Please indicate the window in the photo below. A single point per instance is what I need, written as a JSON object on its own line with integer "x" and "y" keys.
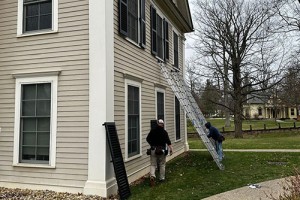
{"x": 37, "y": 15}
{"x": 35, "y": 121}
{"x": 292, "y": 111}
{"x": 159, "y": 35}
{"x": 259, "y": 111}
{"x": 133, "y": 118}
{"x": 132, "y": 22}
{"x": 160, "y": 105}
{"x": 177, "y": 118}
{"x": 175, "y": 48}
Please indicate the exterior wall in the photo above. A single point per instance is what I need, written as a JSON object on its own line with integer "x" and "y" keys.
{"x": 65, "y": 51}
{"x": 137, "y": 64}
{"x": 268, "y": 112}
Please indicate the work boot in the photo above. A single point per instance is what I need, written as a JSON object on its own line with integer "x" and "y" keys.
{"x": 152, "y": 181}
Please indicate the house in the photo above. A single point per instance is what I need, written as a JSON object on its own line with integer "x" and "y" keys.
{"x": 267, "y": 107}
{"x": 68, "y": 66}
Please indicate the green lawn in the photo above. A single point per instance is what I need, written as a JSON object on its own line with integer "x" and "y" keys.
{"x": 255, "y": 124}
{"x": 194, "y": 175}
{"x": 284, "y": 140}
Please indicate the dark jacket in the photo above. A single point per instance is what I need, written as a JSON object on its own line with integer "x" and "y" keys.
{"x": 213, "y": 132}
{"x": 158, "y": 137}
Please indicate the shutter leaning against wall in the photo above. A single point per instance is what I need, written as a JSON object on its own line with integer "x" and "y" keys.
{"x": 123, "y": 17}
{"x": 166, "y": 40}
{"x": 153, "y": 31}
{"x": 142, "y": 24}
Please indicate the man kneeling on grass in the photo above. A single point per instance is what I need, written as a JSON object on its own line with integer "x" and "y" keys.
{"x": 158, "y": 139}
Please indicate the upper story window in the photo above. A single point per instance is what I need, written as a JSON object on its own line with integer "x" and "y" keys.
{"x": 132, "y": 22}
{"x": 159, "y": 35}
{"x": 37, "y": 16}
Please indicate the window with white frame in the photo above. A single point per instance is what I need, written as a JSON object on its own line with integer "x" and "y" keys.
{"x": 177, "y": 118}
{"x": 37, "y": 15}
{"x": 159, "y": 35}
{"x": 160, "y": 104}
{"x": 35, "y": 120}
{"x": 132, "y": 20}
{"x": 292, "y": 111}
{"x": 133, "y": 104}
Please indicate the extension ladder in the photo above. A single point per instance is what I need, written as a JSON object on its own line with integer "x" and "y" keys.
{"x": 187, "y": 101}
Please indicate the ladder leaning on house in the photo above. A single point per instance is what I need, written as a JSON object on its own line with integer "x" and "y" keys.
{"x": 187, "y": 101}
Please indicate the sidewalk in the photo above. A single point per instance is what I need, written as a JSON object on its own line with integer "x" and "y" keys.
{"x": 261, "y": 192}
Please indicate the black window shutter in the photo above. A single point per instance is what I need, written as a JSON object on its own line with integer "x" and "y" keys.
{"x": 166, "y": 40}
{"x": 123, "y": 16}
{"x": 142, "y": 24}
{"x": 116, "y": 155}
{"x": 175, "y": 45}
{"x": 153, "y": 31}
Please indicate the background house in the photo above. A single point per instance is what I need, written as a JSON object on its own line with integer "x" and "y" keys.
{"x": 68, "y": 66}
{"x": 267, "y": 107}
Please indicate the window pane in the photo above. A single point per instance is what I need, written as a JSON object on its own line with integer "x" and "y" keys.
{"x": 29, "y": 138}
{"x": 32, "y": 10}
{"x": 28, "y": 108}
{"x": 43, "y": 138}
{"x": 46, "y": 22}
{"x": 43, "y": 107}
{"x": 28, "y": 92}
{"x": 31, "y": 24}
{"x": 29, "y": 124}
{"x": 42, "y": 153}
{"x": 28, "y": 153}
{"x": 43, "y": 124}
{"x": 44, "y": 91}
{"x": 46, "y": 8}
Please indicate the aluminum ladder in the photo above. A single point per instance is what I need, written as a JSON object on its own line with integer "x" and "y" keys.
{"x": 187, "y": 101}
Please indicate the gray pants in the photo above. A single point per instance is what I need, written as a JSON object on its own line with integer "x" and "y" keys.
{"x": 161, "y": 161}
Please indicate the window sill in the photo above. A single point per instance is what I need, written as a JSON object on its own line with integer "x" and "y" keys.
{"x": 133, "y": 157}
{"x": 33, "y": 33}
{"x": 33, "y": 165}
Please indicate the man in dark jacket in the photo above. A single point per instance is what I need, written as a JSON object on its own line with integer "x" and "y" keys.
{"x": 217, "y": 136}
{"x": 159, "y": 141}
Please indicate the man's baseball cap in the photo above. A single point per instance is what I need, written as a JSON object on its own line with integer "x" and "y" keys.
{"x": 160, "y": 121}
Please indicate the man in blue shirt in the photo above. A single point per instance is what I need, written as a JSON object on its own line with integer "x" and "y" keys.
{"x": 218, "y": 138}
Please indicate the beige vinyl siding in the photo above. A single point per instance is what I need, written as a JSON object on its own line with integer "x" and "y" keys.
{"x": 65, "y": 51}
{"x": 139, "y": 63}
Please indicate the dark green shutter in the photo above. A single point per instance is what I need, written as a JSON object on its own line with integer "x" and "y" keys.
{"x": 123, "y": 17}
{"x": 153, "y": 31}
{"x": 116, "y": 154}
{"x": 142, "y": 24}
{"x": 166, "y": 40}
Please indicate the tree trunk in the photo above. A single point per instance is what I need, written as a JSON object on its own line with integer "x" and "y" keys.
{"x": 226, "y": 102}
{"x": 238, "y": 116}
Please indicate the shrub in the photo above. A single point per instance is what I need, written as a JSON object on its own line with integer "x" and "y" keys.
{"x": 291, "y": 188}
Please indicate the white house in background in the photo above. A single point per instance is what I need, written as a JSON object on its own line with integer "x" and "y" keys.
{"x": 68, "y": 66}
{"x": 259, "y": 107}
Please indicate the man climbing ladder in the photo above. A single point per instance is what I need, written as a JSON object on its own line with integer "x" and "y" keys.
{"x": 187, "y": 101}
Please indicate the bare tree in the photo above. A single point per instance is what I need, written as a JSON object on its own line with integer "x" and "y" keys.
{"x": 234, "y": 39}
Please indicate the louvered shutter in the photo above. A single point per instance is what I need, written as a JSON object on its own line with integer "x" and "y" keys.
{"x": 166, "y": 40}
{"x": 153, "y": 31}
{"x": 123, "y": 17}
{"x": 142, "y": 24}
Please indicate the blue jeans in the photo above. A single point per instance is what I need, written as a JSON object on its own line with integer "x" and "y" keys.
{"x": 219, "y": 150}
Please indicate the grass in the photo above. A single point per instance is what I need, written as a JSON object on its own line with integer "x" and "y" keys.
{"x": 194, "y": 175}
{"x": 284, "y": 140}
{"x": 255, "y": 124}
